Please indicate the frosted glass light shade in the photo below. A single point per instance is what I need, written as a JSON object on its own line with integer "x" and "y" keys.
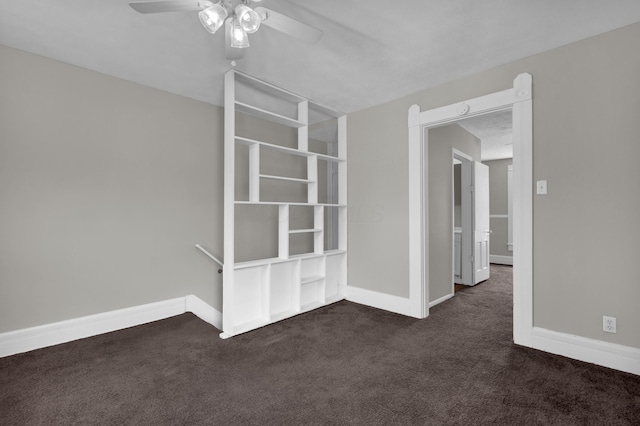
{"x": 248, "y": 18}
{"x": 213, "y": 17}
{"x": 239, "y": 38}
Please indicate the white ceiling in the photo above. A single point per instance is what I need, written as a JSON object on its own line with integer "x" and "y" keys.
{"x": 371, "y": 52}
{"x": 495, "y": 132}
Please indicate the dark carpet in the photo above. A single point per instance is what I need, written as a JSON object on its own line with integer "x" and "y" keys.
{"x": 342, "y": 364}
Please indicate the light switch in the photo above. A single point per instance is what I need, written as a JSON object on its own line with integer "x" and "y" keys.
{"x": 541, "y": 187}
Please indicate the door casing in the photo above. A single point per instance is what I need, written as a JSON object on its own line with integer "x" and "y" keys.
{"x": 519, "y": 99}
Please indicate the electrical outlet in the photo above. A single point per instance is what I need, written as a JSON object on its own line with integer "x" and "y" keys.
{"x": 609, "y": 324}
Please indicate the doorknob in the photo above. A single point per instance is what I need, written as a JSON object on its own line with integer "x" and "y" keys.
{"x": 489, "y": 231}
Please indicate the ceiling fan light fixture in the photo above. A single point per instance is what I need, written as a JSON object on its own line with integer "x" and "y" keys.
{"x": 248, "y": 18}
{"x": 213, "y": 17}
{"x": 239, "y": 37}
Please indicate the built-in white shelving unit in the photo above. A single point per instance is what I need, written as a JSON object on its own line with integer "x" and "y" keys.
{"x": 308, "y": 268}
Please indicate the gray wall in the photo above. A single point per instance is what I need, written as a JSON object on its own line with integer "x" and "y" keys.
{"x": 586, "y": 132}
{"x": 257, "y": 226}
{"x": 441, "y": 142}
{"x": 105, "y": 188}
{"x": 498, "y": 205}
{"x": 106, "y": 185}
{"x": 378, "y": 231}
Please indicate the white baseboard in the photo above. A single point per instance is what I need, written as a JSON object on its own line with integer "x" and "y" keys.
{"x": 501, "y": 260}
{"x": 440, "y": 300}
{"x": 388, "y": 302}
{"x": 611, "y": 355}
{"x": 203, "y": 310}
{"x": 42, "y": 336}
{"x": 617, "y": 357}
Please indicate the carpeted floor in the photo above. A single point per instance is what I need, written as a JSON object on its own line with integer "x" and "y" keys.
{"x": 342, "y": 364}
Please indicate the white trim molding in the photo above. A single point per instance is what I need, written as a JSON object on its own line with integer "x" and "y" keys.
{"x": 519, "y": 100}
{"x": 611, "y": 355}
{"x": 440, "y": 300}
{"x": 42, "y": 336}
{"x": 203, "y": 310}
{"x": 510, "y": 207}
{"x": 387, "y": 302}
{"x": 418, "y": 250}
{"x": 501, "y": 260}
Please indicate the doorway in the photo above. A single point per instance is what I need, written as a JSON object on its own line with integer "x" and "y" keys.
{"x": 519, "y": 99}
{"x": 462, "y": 219}
{"x": 493, "y": 244}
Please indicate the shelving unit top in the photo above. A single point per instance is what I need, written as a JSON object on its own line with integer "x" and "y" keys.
{"x": 273, "y": 90}
{"x": 269, "y": 88}
{"x": 268, "y": 115}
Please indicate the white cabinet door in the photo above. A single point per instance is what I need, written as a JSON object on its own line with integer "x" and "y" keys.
{"x": 481, "y": 231}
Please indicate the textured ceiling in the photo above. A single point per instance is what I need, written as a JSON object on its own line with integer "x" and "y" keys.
{"x": 495, "y": 132}
{"x": 371, "y": 52}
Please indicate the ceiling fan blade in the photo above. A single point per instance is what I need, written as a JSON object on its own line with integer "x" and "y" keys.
{"x": 288, "y": 25}
{"x": 169, "y": 6}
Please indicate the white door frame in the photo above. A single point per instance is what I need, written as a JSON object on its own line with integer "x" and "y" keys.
{"x": 519, "y": 99}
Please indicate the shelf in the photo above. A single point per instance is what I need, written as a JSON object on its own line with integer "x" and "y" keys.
{"x": 284, "y": 203}
{"x": 292, "y": 258}
{"x": 260, "y": 262}
{"x": 287, "y": 150}
{"x": 276, "y": 91}
{"x": 306, "y": 256}
{"x": 269, "y": 88}
{"x": 268, "y": 115}
{"x": 304, "y": 231}
{"x": 327, "y": 157}
{"x": 309, "y": 280}
{"x": 286, "y": 178}
{"x": 324, "y": 110}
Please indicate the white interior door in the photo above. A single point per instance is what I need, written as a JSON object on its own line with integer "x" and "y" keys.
{"x": 466, "y": 200}
{"x": 481, "y": 223}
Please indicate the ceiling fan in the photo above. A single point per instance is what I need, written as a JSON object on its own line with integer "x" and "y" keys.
{"x": 238, "y": 18}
